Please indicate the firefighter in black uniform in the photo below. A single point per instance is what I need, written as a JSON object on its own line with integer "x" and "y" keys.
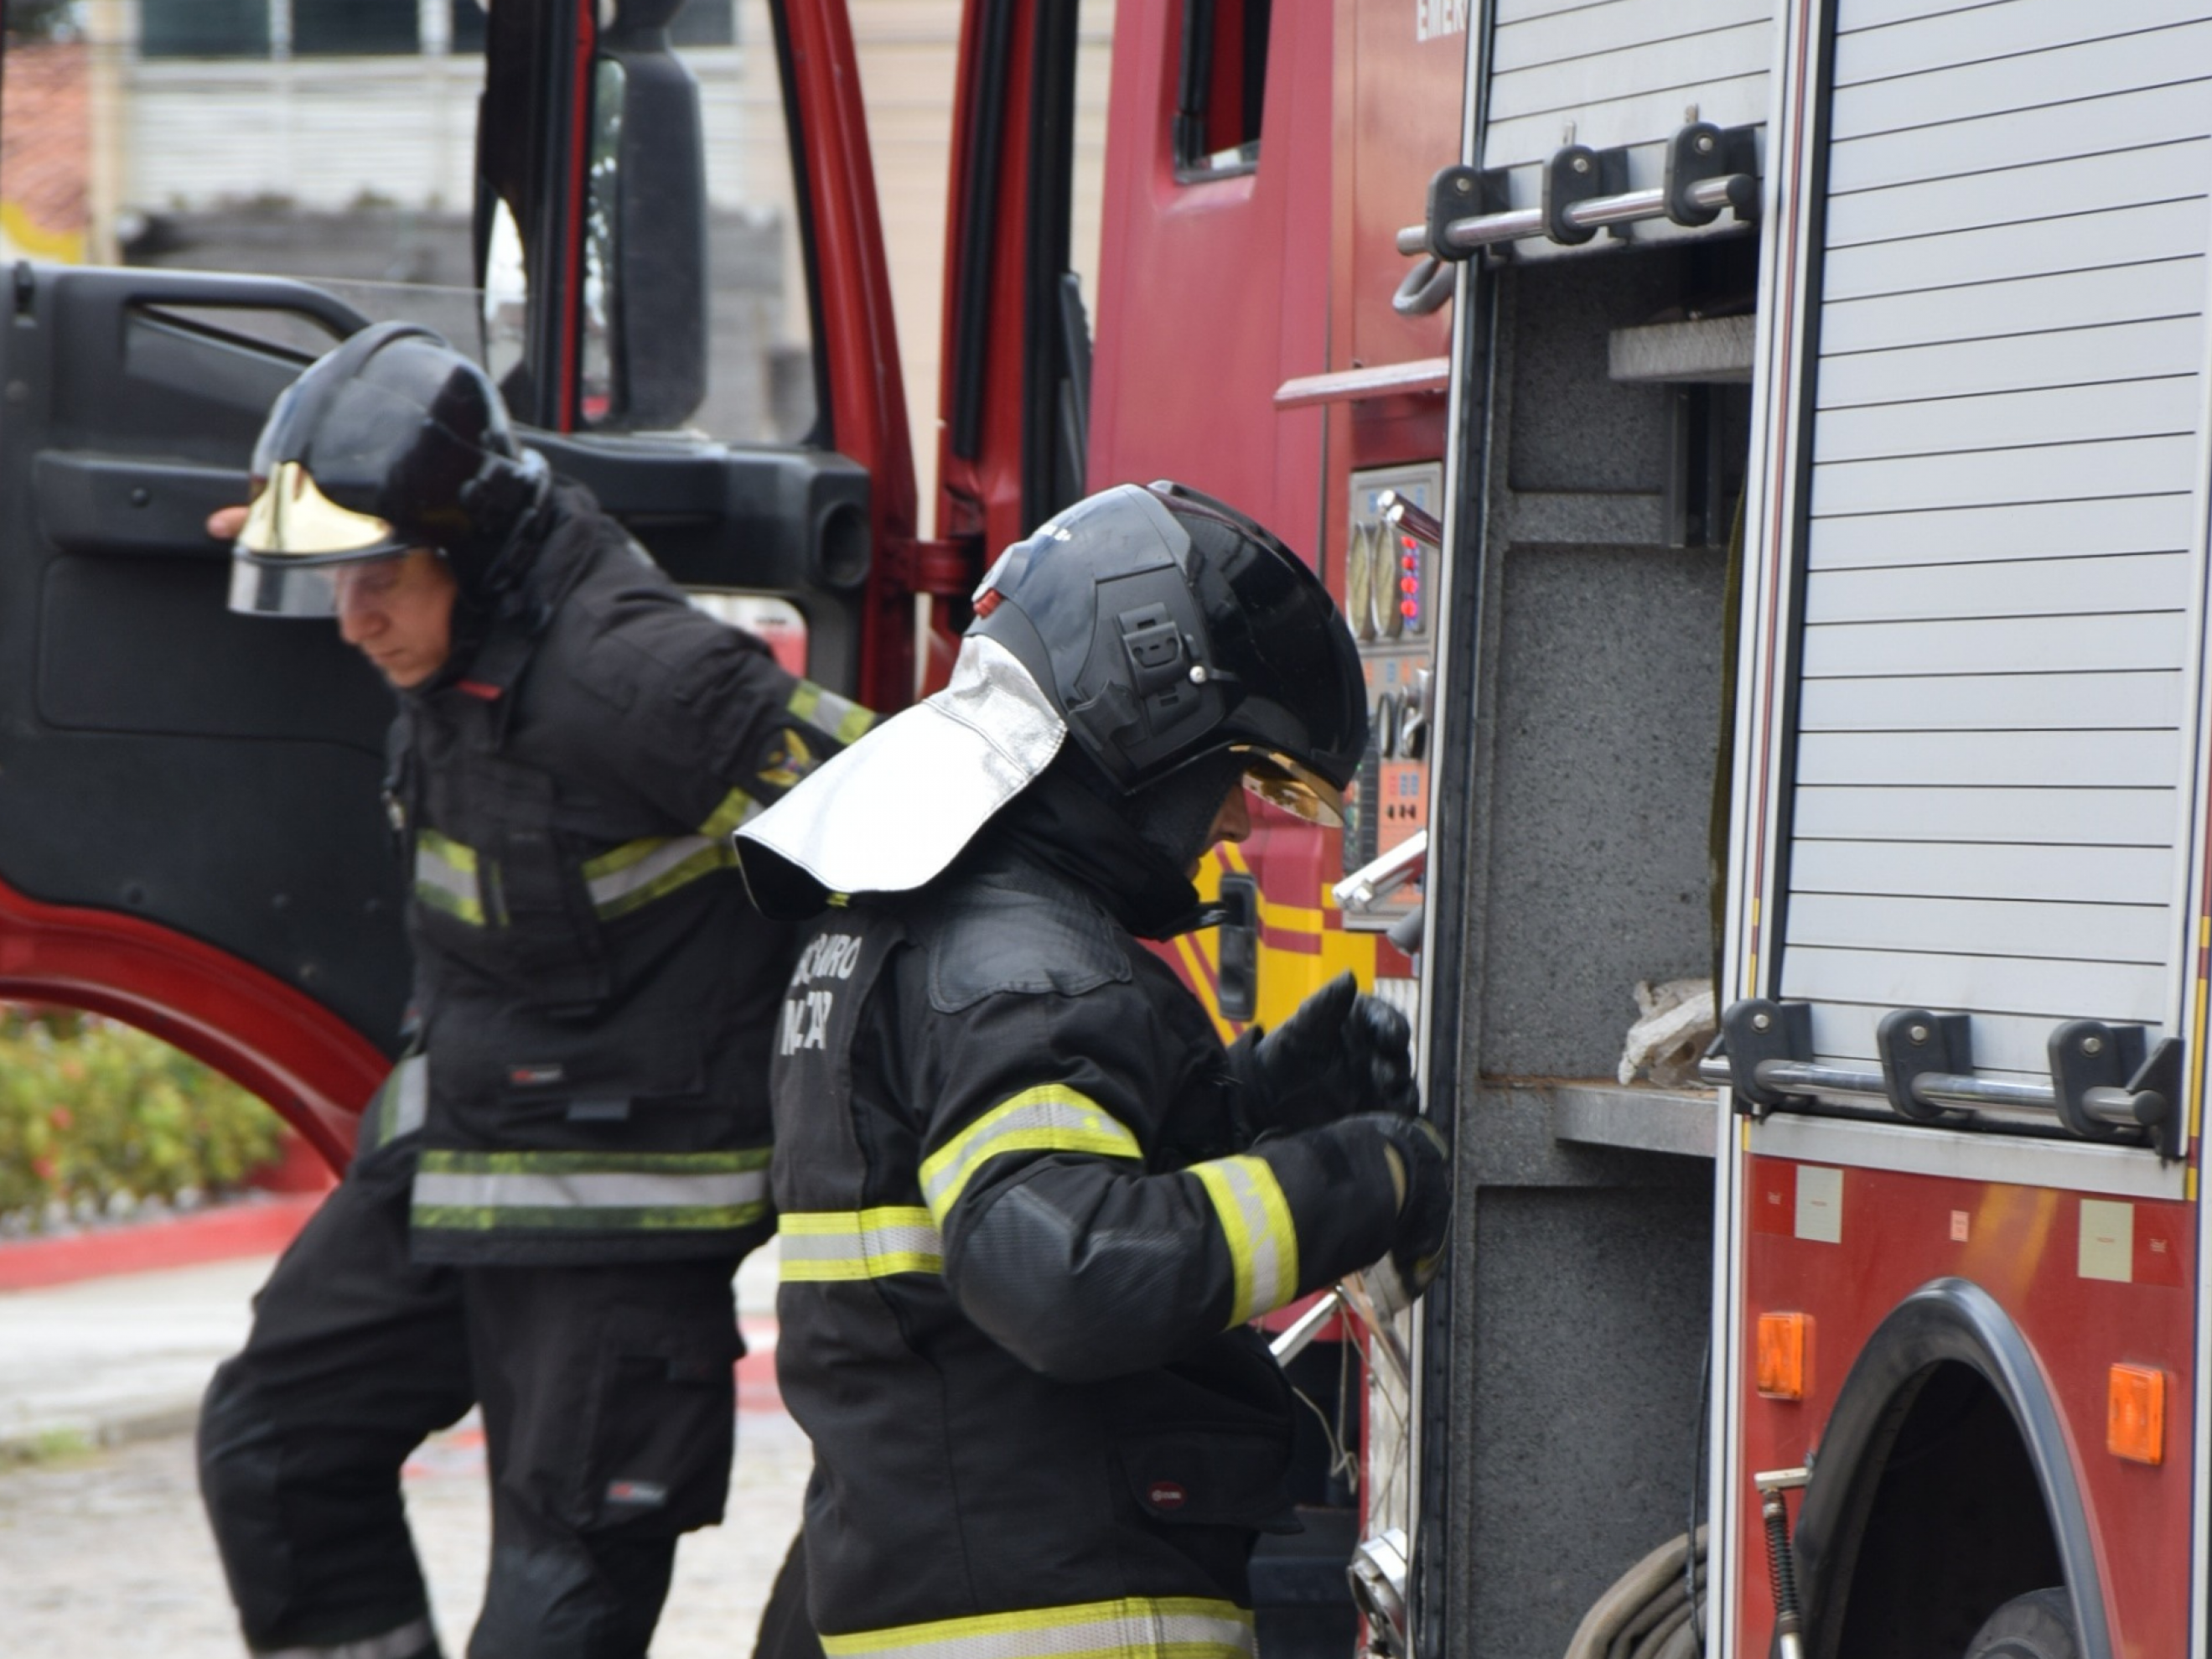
{"x": 555, "y": 1186}
{"x": 1027, "y": 1199}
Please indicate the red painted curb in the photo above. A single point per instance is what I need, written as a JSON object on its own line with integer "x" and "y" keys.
{"x": 187, "y": 1241}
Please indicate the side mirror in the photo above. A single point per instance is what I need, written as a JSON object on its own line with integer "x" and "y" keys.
{"x": 643, "y": 304}
{"x": 645, "y": 287}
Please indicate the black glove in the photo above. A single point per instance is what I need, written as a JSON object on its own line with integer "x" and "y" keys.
{"x": 1339, "y": 1053}
{"x": 1421, "y": 1155}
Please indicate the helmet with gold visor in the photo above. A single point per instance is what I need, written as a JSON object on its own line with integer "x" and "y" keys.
{"x": 392, "y": 442}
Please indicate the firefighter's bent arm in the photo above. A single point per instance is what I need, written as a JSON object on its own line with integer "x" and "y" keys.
{"x": 1066, "y": 1244}
{"x": 703, "y": 721}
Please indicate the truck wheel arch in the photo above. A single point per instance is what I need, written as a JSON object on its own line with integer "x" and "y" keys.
{"x": 1948, "y": 1345}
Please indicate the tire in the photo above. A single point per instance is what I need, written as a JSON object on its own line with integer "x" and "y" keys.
{"x": 785, "y": 1631}
{"x": 2038, "y": 1626}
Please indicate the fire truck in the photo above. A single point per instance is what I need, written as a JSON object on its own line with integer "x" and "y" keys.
{"x": 1817, "y": 606}
{"x": 1757, "y": 445}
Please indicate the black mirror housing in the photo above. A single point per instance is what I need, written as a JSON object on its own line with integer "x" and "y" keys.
{"x": 658, "y": 312}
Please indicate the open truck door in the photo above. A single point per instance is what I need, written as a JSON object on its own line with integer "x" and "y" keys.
{"x": 191, "y": 832}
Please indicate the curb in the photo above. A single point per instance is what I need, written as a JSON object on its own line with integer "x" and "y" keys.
{"x": 756, "y": 1395}
{"x": 187, "y": 1241}
{"x": 61, "y": 1440}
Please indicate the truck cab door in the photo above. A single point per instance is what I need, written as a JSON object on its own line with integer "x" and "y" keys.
{"x": 1014, "y": 396}
{"x": 191, "y": 837}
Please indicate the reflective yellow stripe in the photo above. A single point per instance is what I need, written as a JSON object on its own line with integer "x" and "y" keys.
{"x": 1053, "y": 1118}
{"x": 445, "y": 876}
{"x": 1135, "y": 1627}
{"x": 478, "y": 1191}
{"x": 1263, "y": 1243}
{"x": 824, "y": 710}
{"x": 401, "y": 1104}
{"x": 823, "y": 1245}
{"x": 737, "y": 807}
{"x": 639, "y": 872}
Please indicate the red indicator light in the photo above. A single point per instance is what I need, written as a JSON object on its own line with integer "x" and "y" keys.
{"x": 1407, "y": 584}
{"x": 1405, "y": 607}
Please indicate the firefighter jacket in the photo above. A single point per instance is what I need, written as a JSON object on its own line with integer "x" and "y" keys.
{"x": 594, "y": 994}
{"x": 1019, "y": 1246}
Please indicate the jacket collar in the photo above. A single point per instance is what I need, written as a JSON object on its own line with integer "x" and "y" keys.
{"x": 475, "y": 688}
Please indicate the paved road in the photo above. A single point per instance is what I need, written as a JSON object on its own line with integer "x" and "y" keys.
{"x": 119, "y": 1357}
{"x": 104, "y": 1551}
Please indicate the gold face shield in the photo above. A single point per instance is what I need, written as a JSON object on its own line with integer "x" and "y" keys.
{"x": 297, "y": 543}
{"x": 290, "y": 517}
{"x": 1298, "y": 790}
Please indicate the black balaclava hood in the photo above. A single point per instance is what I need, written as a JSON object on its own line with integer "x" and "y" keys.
{"x": 511, "y": 597}
{"x": 1175, "y": 817}
{"x": 1134, "y": 851}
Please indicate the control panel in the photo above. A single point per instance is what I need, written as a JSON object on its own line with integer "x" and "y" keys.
{"x": 1389, "y": 597}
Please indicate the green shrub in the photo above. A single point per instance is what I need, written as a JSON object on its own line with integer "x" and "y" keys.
{"x": 96, "y": 1117}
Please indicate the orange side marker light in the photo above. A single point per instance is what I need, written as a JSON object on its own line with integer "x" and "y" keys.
{"x": 2135, "y": 1417}
{"x": 1784, "y": 1347}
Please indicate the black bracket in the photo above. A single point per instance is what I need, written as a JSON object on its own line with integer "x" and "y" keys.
{"x": 1912, "y": 1041}
{"x": 1757, "y": 1029}
{"x": 2140, "y": 1093}
{"x": 1702, "y": 151}
{"x": 1459, "y": 193}
{"x": 1576, "y": 173}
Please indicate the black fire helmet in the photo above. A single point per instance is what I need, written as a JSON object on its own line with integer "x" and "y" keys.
{"x": 391, "y": 441}
{"x": 1167, "y": 626}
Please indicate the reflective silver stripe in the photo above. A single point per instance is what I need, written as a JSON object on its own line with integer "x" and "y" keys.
{"x": 407, "y": 1096}
{"x": 632, "y": 883}
{"x": 825, "y": 711}
{"x": 736, "y": 808}
{"x": 1135, "y": 1628}
{"x": 407, "y": 1640}
{"x": 1263, "y": 1241}
{"x": 505, "y": 1189}
{"x": 445, "y": 876}
{"x": 820, "y": 1246}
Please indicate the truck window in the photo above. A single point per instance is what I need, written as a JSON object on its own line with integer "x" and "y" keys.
{"x": 352, "y": 28}
{"x": 1219, "y": 86}
{"x": 336, "y": 141}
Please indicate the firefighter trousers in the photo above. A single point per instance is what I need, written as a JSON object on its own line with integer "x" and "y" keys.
{"x": 608, "y": 1415}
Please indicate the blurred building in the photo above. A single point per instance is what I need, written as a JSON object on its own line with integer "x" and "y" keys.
{"x": 46, "y": 152}
{"x": 335, "y": 140}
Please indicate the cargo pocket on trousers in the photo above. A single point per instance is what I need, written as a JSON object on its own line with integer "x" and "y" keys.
{"x": 663, "y": 1432}
{"x": 1204, "y": 1476}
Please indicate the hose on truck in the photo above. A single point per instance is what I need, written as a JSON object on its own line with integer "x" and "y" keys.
{"x": 1646, "y": 1614}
